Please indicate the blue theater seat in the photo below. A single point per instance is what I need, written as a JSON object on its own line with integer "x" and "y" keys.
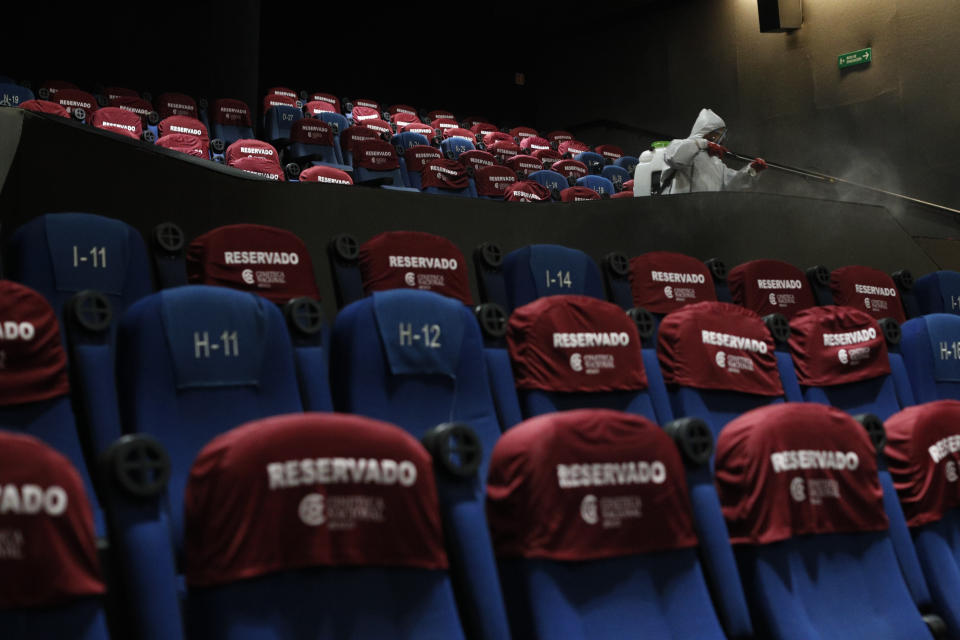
{"x": 341, "y": 556}
{"x": 550, "y": 179}
{"x": 313, "y": 143}
{"x": 542, "y": 270}
{"x": 34, "y": 388}
{"x": 577, "y": 559}
{"x": 340, "y": 124}
{"x": 403, "y": 141}
{"x": 415, "y": 157}
{"x": 415, "y": 358}
{"x": 230, "y": 120}
{"x": 617, "y": 175}
{"x": 453, "y": 146}
{"x": 929, "y": 346}
{"x": 13, "y": 95}
{"x": 592, "y": 160}
{"x": 600, "y": 184}
{"x": 376, "y": 161}
{"x": 811, "y": 538}
{"x": 52, "y": 585}
{"x": 938, "y": 292}
{"x": 770, "y": 286}
{"x": 59, "y": 254}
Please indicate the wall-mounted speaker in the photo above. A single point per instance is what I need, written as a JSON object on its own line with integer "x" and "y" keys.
{"x": 780, "y": 15}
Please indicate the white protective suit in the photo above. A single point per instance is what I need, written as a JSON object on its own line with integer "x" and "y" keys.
{"x": 690, "y": 168}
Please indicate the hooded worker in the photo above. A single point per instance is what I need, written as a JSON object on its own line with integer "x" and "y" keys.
{"x": 696, "y": 164}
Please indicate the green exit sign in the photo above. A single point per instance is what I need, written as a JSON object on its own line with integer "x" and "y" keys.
{"x": 863, "y": 56}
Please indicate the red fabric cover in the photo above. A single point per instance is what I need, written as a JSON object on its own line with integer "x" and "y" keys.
{"x": 378, "y": 125}
{"x": 471, "y": 121}
{"x": 575, "y": 344}
{"x": 548, "y": 157}
{"x": 275, "y": 100}
{"x": 519, "y": 133}
{"x": 402, "y": 119}
{"x": 419, "y": 127}
{"x": 325, "y": 174}
{"x": 534, "y": 143}
{"x": 454, "y": 132}
{"x": 405, "y": 109}
{"x": 228, "y": 111}
{"x": 442, "y": 124}
{"x": 185, "y": 143}
{"x": 525, "y": 164}
{"x": 444, "y": 174}
{"x": 570, "y": 168}
{"x": 112, "y": 93}
{"x": 183, "y": 124}
{"x": 176, "y": 104}
{"x": 117, "y": 120}
{"x": 559, "y": 136}
{"x": 54, "y": 86}
{"x": 312, "y": 131}
{"x": 50, "y": 551}
{"x": 923, "y": 454}
{"x": 286, "y": 92}
{"x": 578, "y": 194}
{"x": 622, "y": 194}
{"x": 70, "y": 99}
{"x": 277, "y": 494}
{"x": 587, "y": 484}
{"x": 497, "y": 136}
{"x": 837, "y": 345}
{"x": 483, "y": 128}
{"x": 527, "y": 191}
{"x": 328, "y": 98}
{"x": 611, "y": 151}
{"x": 493, "y": 181}
{"x": 718, "y": 345}
{"x": 420, "y": 154}
{"x": 365, "y": 102}
{"x": 354, "y": 134}
{"x": 627, "y": 186}
{"x": 795, "y": 469}
{"x": 253, "y": 257}
{"x": 44, "y": 106}
{"x": 663, "y": 281}
{"x": 263, "y": 167}
{"x": 33, "y": 365}
{"x": 770, "y": 286}
{"x": 251, "y": 148}
{"x": 135, "y": 104}
{"x": 477, "y": 159}
{"x": 572, "y": 147}
{"x": 316, "y": 107}
{"x": 440, "y": 113}
{"x": 376, "y": 155}
{"x": 869, "y": 289}
{"x": 503, "y": 150}
{"x": 414, "y": 260}
{"x": 359, "y": 114}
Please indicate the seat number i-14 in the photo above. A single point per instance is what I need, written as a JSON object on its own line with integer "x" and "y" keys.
{"x": 561, "y": 280}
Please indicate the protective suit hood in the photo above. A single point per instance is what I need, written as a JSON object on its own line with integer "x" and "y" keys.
{"x": 706, "y": 122}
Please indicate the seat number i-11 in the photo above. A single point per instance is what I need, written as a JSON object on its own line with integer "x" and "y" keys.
{"x": 97, "y": 257}
{"x": 428, "y": 335}
{"x": 203, "y": 346}
{"x": 559, "y": 279}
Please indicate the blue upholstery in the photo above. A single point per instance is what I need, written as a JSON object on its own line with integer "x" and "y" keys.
{"x": 342, "y": 124}
{"x": 277, "y": 122}
{"x": 938, "y": 292}
{"x": 544, "y": 269}
{"x": 80, "y": 620}
{"x": 13, "y": 95}
{"x": 829, "y": 586}
{"x": 938, "y": 548}
{"x": 452, "y": 147}
{"x": 402, "y": 142}
{"x": 600, "y": 184}
{"x": 627, "y": 162}
{"x": 594, "y": 161}
{"x": 60, "y": 254}
{"x": 930, "y": 354}
{"x": 617, "y": 175}
{"x": 195, "y": 385}
{"x": 366, "y": 385}
{"x": 550, "y": 179}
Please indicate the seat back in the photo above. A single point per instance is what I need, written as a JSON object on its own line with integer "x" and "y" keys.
{"x": 312, "y": 142}
{"x": 938, "y": 292}
{"x": 524, "y": 165}
{"x": 453, "y": 146}
{"x": 218, "y": 358}
{"x": 718, "y": 361}
{"x": 52, "y": 585}
{"x": 492, "y": 182}
{"x": 804, "y": 504}
{"x": 576, "y": 556}
{"x": 60, "y": 254}
{"x": 664, "y": 281}
{"x": 119, "y": 121}
{"x": 73, "y": 99}
{"x": 354, "y": 519}
{"x": 592, "y": 160}
{"x": 550, "y": 179}
{"x": 598, "y": 183}
{"x": 627, "y": 162}
{"x": 278, "y": 121}
{"x": 572, "y": 352}
{"x": 869, "y": 289}
{"x": 416, "y": 157}
{"x": 770, "y": 286}
{"x": 447, "y": 177}
{"x": 415, "y": 358}
{"x": 176, "y": 104}
{"x": 12, "y": 95}
{"x": 376, "y": 160}
{"x": 570, "y": 169}
{"x": 931, "y": 352}
{"x": 617, "y": 175}
{"x": 230, "y": 120}
{"x": 540, "y": 270}
{"x": 330, "y": 175}
{"x": 578, "y": 194}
